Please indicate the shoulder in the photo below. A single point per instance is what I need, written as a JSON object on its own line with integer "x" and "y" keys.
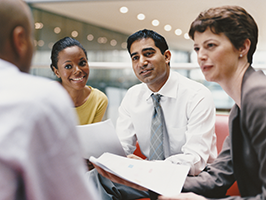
{"x": 40, "y": 102}
{"x": 97, "y": 94}
{"x": 136, "y": 89}
{"x": 190, "y": 87}
{"x": 40, "y": 93}
{"x": 135, "y": 92}
{"x": 135, "y": 95}
{"x": 254, "y": 90}
{"x": 253, "y": 106}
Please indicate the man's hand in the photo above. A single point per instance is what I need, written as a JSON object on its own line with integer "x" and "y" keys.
{"x": 117, "y": 179}
{"x": 183, "y": 196}
{"x": 133, "y": 156}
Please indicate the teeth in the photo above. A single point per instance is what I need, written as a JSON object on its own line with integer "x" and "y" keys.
{"x": 77, "y": 79}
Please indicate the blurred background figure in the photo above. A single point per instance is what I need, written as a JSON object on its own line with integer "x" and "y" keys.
{"x": 40, "y": 155}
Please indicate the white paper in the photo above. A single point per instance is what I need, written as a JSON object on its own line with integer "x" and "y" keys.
{"x": 98, "y": 138}
{"x": 161, "y": 177}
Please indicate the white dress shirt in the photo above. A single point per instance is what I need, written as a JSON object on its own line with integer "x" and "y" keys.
{"x": 39, "y": 149}
{"x": 189, "y": 114}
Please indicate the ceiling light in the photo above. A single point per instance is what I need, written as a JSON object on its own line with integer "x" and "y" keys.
{"x": 90, "y": 37}
{"x": 124, "y": 45}
{"x": 57, "y": 30}
{"x": 38, "y": 25}
{"x": 113, "y": 42}
{"x": 141, "y": 16}
{"x": 155, "y": 22}
{"x": 74, "y": 34}
{"x": 167, "y": 27}
{"x": 186, "y": 36}
{"x": 40, "y": 43}
{"x": 102, "y": 40}
{"x": 50, "y": 45}
{"x": 178, "y": 31}
{"x": 123, "y": 9}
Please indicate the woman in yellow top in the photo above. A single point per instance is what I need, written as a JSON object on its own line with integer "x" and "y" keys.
{"x": 70, "y": 65}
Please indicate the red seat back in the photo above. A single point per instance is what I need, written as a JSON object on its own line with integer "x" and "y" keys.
{"x": 221, "y": 130}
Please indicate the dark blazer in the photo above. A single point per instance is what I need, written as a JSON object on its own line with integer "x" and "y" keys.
{"x": 243, "y": 157}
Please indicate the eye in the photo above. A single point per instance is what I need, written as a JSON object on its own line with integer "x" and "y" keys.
{"x": 68, "y": 66}
{"x": 148, "y": 54}
{"x": 134, "y": 58}
{"x": 196, "y": 49}
{"x": 83, "y": 63}
{"x": 211, "y": 45}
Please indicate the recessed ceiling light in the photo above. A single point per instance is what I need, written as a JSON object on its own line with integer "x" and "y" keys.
{"x": 155, "y": 22}
{"x": 50, "y": 45}
{"x": 123, "y": 9}
{"x": 57, "y": 30}
{"x": 90, "y": 37}
{"x": 186, "y": 36}
{"x": 124, "y": 45}
{"x": 38, "y": 25}
{"x": 141, "y": 16}
{"x": 74, "y": 34}
{"x": 178, "y": 31}
{"x": 167, "y": 27}
{"x": 40, "y": 43}
{"x": 113, "y": 42}
{"x": 102, "y": 40}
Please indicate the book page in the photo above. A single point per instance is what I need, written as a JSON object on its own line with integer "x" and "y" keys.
{"x": 161, "y": 177}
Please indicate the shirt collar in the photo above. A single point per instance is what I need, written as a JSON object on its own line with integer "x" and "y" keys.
{"x": 5, "y": 64}
{"x": 169, "y": 89}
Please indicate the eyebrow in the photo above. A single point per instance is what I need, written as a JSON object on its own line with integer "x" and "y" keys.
{"x": 67, "y": 61}
{"x": 82, "y": 58}
{"x": 206, "y": 41}
{"x": 145, "y": 49}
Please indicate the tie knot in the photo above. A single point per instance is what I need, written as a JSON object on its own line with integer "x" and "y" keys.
{"x": 156, "y": 98}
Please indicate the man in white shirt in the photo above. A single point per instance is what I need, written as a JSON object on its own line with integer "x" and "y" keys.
{"x": 40, "y": 154}
{"x": 187, "y": 106}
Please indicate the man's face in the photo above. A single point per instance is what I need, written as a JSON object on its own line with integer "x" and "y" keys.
{"x": 149, "y": 64}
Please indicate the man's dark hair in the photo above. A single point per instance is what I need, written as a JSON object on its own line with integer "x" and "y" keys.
{"x": 159, "y": 40}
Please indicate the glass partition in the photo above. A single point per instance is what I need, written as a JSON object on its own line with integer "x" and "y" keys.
{"x": 110, "y": 65}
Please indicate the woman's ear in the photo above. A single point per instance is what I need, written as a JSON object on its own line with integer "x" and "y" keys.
{"x": 167, "y": 56}
{"x": 56, "y": 72}
{"x": 245, "y": 48}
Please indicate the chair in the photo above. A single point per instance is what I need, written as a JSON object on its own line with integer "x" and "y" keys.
{"x": 222, "y": 131}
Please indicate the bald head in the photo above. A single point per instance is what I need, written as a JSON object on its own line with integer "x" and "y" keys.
{"x": 16, "y": 26}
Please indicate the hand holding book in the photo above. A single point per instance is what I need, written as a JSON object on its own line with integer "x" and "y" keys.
{"x": 161, "y": 177}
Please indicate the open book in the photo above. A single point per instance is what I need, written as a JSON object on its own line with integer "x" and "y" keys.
{"x": 161, "y": 177}
{"x": 98, "y": 138}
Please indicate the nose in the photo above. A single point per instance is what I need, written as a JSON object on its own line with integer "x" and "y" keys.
{"x": 76, "y": 69}
{"x": 201, "y": 55}
{"x": 143, "y": 61}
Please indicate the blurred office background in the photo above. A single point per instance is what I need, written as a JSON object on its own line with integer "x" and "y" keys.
{"x": 102, "y": 27}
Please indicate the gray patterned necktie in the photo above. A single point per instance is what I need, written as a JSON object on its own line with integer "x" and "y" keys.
{"x": 156, "y": 138}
